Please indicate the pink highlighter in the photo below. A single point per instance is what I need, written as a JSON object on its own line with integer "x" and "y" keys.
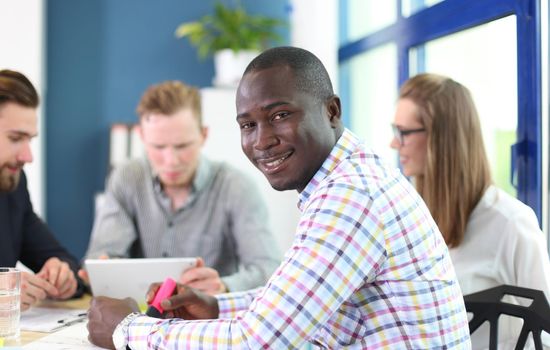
{"x": 164, "y": 292}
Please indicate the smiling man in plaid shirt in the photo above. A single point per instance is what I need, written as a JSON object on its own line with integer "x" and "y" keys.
{"x": 368, "y": 267}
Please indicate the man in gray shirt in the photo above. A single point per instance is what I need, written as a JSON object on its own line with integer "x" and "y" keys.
{"x": 178, "y": 203}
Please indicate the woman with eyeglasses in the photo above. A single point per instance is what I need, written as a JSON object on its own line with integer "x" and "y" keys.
{"x": 493, "y": 238}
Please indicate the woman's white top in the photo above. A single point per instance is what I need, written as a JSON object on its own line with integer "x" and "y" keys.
{"x": 503, "y": 244}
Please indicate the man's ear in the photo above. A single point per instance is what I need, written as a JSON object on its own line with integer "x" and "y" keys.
{"x": 204, "y": 133}
{"x": 334, "y": 111}
{"x": 140, "y": 131}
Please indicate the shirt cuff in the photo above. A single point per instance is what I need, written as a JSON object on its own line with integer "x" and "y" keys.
{"x": 140, "y": 329}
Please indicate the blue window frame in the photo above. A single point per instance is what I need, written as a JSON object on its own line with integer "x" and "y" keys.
{"x": 451, "y": 16}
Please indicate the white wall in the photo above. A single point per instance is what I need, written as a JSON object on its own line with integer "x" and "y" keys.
{"x": 314, "y": 27}
{"x": 22, "y": 44}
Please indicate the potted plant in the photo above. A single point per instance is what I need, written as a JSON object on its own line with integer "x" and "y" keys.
{"x": 232, "y": 36}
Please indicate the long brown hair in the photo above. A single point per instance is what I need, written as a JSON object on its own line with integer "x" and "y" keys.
{"x": 457, "y": 172}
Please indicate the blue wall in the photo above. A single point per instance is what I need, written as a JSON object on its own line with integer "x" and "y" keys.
{"x": 101, "y": 56}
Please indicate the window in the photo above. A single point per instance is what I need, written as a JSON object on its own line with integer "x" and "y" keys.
{"x": 410, "y": 7}
{"x": 424, "y": 32}
{"x": 364, "y": 17}
{"x": 489, "y": 70}
{"x": 368, "y": 111}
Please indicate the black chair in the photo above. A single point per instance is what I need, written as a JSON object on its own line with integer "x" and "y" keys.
{"x": 487, "y": 305}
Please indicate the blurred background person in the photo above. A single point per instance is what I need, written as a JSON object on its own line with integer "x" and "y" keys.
{"x": 175, "y": 202}
{"x": 493, "y": 238}
{"x": 24, "y": 236}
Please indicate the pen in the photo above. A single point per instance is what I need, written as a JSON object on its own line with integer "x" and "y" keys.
{"x": 165, "y": 291}
{"x": 77, "y": 317}
{"x": 70, "y": 321}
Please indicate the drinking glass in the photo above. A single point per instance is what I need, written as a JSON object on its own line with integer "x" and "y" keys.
{"x": 10, "y": 291}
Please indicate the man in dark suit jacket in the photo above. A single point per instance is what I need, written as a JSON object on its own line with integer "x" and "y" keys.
{"x": 23, "y": 235}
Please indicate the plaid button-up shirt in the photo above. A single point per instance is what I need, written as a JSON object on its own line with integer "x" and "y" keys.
{"x": 368, "y": 269}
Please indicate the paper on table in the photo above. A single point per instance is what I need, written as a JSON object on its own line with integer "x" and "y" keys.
{"x": 41, "y": 319}
{"x": 74, "y": 337}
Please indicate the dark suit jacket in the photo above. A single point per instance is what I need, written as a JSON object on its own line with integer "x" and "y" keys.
{"x": 24, "y": 236}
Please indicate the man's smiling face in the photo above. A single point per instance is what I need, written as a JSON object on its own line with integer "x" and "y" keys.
{"x": 286, "y": 133}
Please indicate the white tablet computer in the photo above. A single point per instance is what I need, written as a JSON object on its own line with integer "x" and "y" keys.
{"x": 121, "y": 278}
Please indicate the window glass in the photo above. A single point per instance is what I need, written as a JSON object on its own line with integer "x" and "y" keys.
{"x": 545, "y": 84}
{"x": 364, "y": 17}
{"x": 489, "y": 70}
{"x": 410, "y": 7}
{"x": 372, "y": 90}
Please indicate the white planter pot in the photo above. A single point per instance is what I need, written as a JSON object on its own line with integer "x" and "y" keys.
{"x": 229, "y": 66}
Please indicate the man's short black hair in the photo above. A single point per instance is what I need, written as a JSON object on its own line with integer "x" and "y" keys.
{"x": 311, "y": 75}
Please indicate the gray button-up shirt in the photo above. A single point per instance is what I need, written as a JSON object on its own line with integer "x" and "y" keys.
{"x": 223, "y": 220}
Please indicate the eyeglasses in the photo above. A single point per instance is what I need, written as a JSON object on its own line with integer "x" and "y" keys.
{"x": 400, "y": 134}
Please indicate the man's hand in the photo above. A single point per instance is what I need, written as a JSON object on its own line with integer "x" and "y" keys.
{"x": 203, "y": 278}
{"x": 187, "y": 303}
{"x": 34, "y": 289}
{"x": 59, "y": 274}
{"x": 103, "y": 317}
{"x": 83, "y": 274}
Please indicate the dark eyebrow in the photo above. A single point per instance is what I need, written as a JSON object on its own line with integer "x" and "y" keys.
{"x": 265, "y": 108}
{"x": 275, "y": 104}
{"x": 21, "y": 133}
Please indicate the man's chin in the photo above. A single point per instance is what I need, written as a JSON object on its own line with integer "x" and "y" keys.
{"x": 172, "y": 182}
{"x": 279, "y": 185}
{"x": 8, "y": 183}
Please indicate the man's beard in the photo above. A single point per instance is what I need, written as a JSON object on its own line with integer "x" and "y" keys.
{"x": 8, "y": 179}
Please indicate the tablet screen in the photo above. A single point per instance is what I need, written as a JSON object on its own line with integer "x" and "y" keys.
{"x": 121, "y": 278}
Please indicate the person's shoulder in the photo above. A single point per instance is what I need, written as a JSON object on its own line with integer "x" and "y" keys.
{"x": 130, "y": 172}
{"x": 228, "y": 171}
{"x": 134, "y": 165}
{"x": 504, "y": 214}
{"x": 366, "y": 168}
{"x": 503, "y": 204}
{"x": 232, "y": 181}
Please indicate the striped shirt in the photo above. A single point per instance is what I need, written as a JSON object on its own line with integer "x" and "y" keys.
{"x": 223, "y": 220}
{"x": 368, "y": 269}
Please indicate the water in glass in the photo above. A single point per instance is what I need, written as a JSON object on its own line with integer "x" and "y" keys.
{"x": 9, "y": 303}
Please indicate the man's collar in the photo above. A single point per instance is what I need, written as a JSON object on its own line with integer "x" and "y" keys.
{"x": 200, "y": 178}
{"x": 342, "y": 149}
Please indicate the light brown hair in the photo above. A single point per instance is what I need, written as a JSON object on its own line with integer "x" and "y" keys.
{"x": 15, "y": 87}
{"x": 457, "y": 172}
{"x": 168, "y": 98}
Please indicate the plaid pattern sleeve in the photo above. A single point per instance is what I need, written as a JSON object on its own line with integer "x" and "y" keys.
{"x": 367, "y": 269}
{"x": 232, "y": 303}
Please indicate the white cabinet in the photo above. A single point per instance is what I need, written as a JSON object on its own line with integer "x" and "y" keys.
{"x": 224, "y": 143}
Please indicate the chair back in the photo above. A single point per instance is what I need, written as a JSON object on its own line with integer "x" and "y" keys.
{"x": 488, "y": 305}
